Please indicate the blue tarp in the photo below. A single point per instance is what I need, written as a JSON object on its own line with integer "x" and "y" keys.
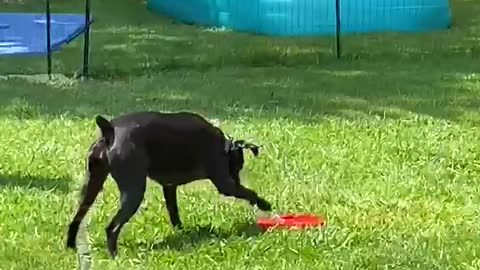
{"x": 26, "y": 33}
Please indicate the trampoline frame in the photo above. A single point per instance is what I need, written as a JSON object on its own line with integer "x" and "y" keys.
{"x": 86, "y": 42}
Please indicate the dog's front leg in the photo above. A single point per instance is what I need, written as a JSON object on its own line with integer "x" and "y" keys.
{"x": 170, "y": 194}
{"x": 245, "y": 193}
{"x": 227, "y": 186}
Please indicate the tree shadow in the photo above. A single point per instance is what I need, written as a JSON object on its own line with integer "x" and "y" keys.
{"x": 35, "y": 182}
{"x": 192, "y": 237}
{"x": 443, "y": 91}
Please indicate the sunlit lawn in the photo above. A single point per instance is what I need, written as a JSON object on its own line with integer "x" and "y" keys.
{"x": 383, "y": 143}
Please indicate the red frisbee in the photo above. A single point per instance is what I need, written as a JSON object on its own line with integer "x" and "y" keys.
{"x": 291, "y": 221}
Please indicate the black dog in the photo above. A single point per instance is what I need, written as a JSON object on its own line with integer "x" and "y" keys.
{"x": 171, "y": 148}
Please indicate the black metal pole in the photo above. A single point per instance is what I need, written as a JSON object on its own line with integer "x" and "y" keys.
{"x": 49, "y": 55}
{"x": 86, "y": 42}
{"x": 337, "y": 25}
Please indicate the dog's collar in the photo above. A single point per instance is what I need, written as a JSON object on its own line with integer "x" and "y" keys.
{"x": 229, "y": 145}
{"x": 234, "y": 145}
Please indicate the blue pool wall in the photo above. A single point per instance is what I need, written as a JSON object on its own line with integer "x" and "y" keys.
{"x": 309, "y": 17}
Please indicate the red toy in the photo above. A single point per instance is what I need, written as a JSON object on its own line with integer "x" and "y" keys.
{"x": 291, "y": 221}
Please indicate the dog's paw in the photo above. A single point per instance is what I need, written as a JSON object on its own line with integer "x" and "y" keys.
{"x": 112, "y": 250}
{"x": 112, "y": 245}
{"x": 113, "y": 254}
{"x": 71, "y": 243}
{"x": 177, "y": 226}
{"x": 264, "y": 205}
{"x": 72, "y": 235}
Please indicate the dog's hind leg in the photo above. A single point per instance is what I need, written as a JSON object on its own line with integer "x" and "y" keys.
{"x": 96, "y": 172}
{"x": 132, "y": 186}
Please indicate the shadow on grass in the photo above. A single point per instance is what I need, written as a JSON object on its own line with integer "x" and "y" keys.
{"x": 35, "y": 182}
{"x": 193, "y": 237}
{"x": 441, "y": 90}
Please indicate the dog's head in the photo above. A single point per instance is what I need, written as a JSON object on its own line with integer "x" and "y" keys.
{"x": 235, "y": 148}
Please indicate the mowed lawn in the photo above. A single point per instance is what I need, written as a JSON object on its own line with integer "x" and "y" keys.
{"x": 384, "y": 143}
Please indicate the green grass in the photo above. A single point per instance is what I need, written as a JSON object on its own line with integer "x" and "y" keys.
{"x": 384, "y": 143}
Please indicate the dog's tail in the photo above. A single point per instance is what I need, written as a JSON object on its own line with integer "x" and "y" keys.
{"x": 106, "y": 129}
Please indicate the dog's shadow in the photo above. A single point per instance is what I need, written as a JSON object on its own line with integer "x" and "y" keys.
{"x": 35, "y": 182}
{"x": 191, "y": 237}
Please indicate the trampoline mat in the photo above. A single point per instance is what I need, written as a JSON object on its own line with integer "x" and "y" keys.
{"x": 26, "y": 33}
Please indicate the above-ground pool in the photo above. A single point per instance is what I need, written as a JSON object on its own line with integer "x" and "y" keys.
{"x": 309, "y": 17}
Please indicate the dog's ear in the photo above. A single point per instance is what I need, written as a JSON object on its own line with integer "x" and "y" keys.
{"x": 253, "y": 147}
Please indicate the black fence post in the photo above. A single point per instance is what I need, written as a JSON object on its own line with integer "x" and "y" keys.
{"x": 337, "y": 26}
{"x": 49, "y": 53}
{"x": 86, "y": 42}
